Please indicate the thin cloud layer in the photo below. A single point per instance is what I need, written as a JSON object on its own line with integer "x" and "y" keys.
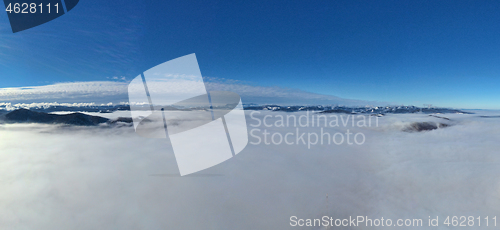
{"x": 78, "y": 92}
{"x": 104, "y": 92}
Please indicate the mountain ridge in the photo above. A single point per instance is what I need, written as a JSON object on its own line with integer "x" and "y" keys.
{"x": 79, "y": 119}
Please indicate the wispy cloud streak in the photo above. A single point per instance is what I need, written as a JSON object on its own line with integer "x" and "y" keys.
{"x": 103, "y": 92}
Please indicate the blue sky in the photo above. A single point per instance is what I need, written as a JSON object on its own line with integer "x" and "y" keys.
{"x": 444, "y": 53}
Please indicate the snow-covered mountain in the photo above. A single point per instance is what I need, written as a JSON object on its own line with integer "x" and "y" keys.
{"x": 109, "y": 108}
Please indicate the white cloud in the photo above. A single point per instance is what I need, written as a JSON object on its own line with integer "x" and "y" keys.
{"x": 102, "y": 178}
{"x": 78, "y": 92}
{"x": 103, "y": 92}
{"x": 121, "y": 78}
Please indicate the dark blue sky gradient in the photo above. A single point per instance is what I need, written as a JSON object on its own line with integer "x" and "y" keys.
{"x": 444, "y": 53}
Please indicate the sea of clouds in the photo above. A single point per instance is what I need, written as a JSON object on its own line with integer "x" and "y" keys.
{"x": 68, "y": 177}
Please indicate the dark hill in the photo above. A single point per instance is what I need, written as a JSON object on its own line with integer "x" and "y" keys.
{"x": 424, "y": 126}
{"x": 24, "y": 115}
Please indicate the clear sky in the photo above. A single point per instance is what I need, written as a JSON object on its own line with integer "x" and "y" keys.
{"x": 445, "y": 53}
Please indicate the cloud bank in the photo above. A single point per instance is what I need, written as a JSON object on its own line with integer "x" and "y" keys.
{"x": 99, "y": 178}
{"x": 104, "y": 92}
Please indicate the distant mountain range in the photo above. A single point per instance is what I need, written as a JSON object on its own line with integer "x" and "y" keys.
{"x": 319, "y": 108}
{"x": 43, "y": 115}
{"x": 379, "y": 110}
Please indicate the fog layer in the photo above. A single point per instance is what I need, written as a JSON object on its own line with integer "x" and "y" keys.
{"x": 61, "y": 177}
